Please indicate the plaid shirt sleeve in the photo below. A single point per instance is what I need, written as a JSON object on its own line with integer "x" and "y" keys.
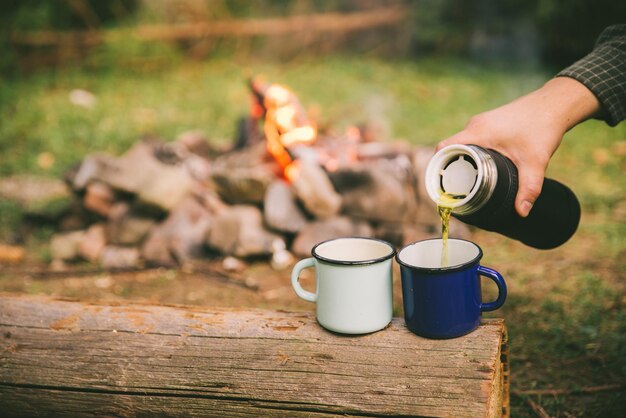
{"x": 603, "y": 72}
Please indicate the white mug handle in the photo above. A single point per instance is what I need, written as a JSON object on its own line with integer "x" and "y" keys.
{"x": 295, "y": 279}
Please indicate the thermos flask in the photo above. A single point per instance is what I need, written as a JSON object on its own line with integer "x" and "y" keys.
{"x": 481, "y": 185}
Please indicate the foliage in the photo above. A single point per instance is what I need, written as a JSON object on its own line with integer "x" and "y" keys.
{"x": 53, "y": 14}
{"x": 554, "y": 32}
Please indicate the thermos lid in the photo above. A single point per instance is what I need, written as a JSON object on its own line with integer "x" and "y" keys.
{"x": 457, "y": 171}
{"x": 458, "y": 176}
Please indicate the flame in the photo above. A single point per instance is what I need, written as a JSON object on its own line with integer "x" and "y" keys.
{"x": 292, "y": 171}
{"x": 286, "y": 125}
{"x": 275, "y": 146}
{"x": 301, "y": 135}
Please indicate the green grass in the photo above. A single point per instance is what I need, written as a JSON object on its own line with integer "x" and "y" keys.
{"x": 565, "y": 310}
{"x": 422, "y": 102}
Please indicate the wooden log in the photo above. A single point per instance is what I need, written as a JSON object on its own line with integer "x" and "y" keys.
{"x": 312, "y": 23}
{"x": 77, "y": 359}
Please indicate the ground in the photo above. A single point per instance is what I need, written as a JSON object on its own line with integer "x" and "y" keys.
{"x": 566, "y": 328}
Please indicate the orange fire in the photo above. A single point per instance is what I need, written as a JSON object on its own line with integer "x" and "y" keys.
{"x": 286, "y": 125}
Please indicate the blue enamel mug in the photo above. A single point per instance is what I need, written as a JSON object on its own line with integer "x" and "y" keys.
{"x": 445, "y": 302}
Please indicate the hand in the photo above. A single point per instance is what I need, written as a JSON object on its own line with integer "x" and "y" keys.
{"x": 529, "y": 130}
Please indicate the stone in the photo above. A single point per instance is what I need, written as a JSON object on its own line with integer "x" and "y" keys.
{"x": 243, "y": 185}
{"x": 239, "y": 231}
{"x": 376, "y": 150}
{"x": 198, "y": 168}
{"x": 392, "y": 232}
{"x": 233, "y": 264}
{"x": 281, "y": 260}
{"x": 167, "y": 188}
{"x": 58, "y": 265}
{"x": 249, "y": 156}
{"x": 92, "y": 243}
{"x": 281, "y": 257}
{"x": 210, "y": 200}
{"x": 64, "y": 246}
{"x": 371, "y": 193}
{"x": 155, "y": 249}
{"x": 77, "y": 218}
{"x": 127, "y": 227}
{"x": 139, "y": 172}
{"x": 104, "y": 168}
{"x": 242, "y": 176}
{"x": 195, "y": 142}
{"x": 99, "y": 198}
{"x": 38, "y": 196}
{"x": 181, "y": 236}
{"x": 113, "y": 257}
{"x": 314, "y": 189}
{"x": 280, "y": 208}
{"x": 325, "y": 229}
{"x": 82, "y": 98}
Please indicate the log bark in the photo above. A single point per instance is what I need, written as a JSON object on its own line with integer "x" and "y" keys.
{"x": 313, "y": 23}
{"x": 77, "y": 359}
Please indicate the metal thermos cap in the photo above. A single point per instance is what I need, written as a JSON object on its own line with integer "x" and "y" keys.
{"x": 463, "y": 171}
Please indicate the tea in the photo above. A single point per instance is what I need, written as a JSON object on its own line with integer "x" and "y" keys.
{"x": 444, "y": 207}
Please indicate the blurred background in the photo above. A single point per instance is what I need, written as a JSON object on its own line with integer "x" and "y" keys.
{"x": 84, "y": 76}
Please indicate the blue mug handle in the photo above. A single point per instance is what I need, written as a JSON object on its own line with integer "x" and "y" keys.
{"x": 496, "y": 277}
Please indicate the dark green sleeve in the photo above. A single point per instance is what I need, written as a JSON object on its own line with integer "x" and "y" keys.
{"x": 603, "y": 72}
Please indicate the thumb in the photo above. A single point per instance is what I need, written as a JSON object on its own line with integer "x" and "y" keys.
{"x": 530, "y": 183}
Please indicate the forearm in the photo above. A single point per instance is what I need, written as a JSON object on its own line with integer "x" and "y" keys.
{"x": 603, "y": 72}
{"x": 564, "y": 102}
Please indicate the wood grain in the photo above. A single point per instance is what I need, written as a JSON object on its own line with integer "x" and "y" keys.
{"x": 77, "y": 359}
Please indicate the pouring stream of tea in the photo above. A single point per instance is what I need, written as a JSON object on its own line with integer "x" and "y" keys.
{"x": 444, "y": 207}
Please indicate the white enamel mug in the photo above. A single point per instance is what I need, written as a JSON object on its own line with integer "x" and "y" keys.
{"x": 353, "y": 281}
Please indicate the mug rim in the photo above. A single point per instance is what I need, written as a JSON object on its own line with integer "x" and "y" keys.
{"x": 356, "y": 262}
{"x": 449, "y": 269}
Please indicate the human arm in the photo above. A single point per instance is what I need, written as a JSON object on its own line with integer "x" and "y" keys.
{"x": 603, "y": 72}
{"x": 529, "y": 129}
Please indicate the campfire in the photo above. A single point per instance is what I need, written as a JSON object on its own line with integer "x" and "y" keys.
{"x": 282, "y": 187}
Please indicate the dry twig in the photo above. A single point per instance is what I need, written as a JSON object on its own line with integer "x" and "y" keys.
{"x": 563, "y": 391}
{"x": 541, "y": 413}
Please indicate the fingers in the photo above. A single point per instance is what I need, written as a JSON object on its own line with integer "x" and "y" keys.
{"x": 530, "y": 183}
{"x": 531, "y": 159}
